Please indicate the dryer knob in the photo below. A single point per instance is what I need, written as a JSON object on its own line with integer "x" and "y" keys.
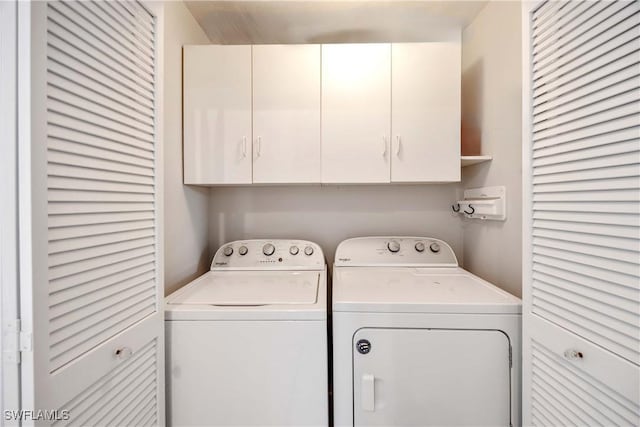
{"x": 435, "y": 248}
{"x": 268, "y": 249}
{"x": 227, "y": 251}
{"x": 308, "y": 251}
{"x": 393, "y": 246}
{"x": 242, "y": 250}
{"x": 420, "y": 247}
{"x": 293, "y": 250}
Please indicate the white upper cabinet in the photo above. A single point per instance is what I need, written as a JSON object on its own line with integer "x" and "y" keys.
{"x": 286, "y": 114}
{"x": 425, "y": 112}
{"x": 356, "y": 113}
{"x": 217, "y": 114}
{"x": 340, "y": 113}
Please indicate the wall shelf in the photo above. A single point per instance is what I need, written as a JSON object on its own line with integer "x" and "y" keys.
{"x": 474, "y": 160}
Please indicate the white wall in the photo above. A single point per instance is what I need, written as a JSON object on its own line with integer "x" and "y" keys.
{"x": 491, "y": 122}
{"x": 329, "y": 214}
{"x": 185, "y": 208}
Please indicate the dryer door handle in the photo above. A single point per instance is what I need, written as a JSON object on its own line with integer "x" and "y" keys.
{"x": 368, "y": 393}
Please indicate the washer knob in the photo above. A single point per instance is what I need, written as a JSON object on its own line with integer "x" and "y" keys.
{"x": 435, "y": 248}
{"x": 227, "y": 251}
{"x": 420, "y": 247}
{"x": 308, "y": 251}
{"x": 393, "y": 246}
{"x": 293, "y": 250}
{"x": 242, "y": 250}
{"x": 268, "y": 249}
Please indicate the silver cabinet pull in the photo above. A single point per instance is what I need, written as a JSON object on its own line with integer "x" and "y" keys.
{"x": 384, "y": 146}
{"x": 399, "y": 141}
{"x": 258, "y": 146}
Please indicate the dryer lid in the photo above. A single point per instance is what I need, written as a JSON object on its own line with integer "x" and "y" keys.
{"x": 250, "y": 288}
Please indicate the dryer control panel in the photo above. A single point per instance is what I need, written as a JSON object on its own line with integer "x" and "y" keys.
{"x": 269, "y": 254}
{"x": 400, "y": 251}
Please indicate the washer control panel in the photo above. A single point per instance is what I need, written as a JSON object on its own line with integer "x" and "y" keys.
{"x": 276, "y": 254}
{"x": 395, "y": 251}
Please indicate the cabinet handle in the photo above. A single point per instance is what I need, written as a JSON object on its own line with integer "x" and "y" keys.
{"x": 384, "y": 146}
{"x": 399, "y": 143}
{"x": 244, "y": 146}
{"x": 258, "y": 146}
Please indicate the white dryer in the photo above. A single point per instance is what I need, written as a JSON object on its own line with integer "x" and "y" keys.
{"x": 247, "y": 341}
{"x": 418, "y": 341}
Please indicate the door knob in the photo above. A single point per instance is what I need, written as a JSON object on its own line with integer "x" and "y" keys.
{"x": 572, "y": 354}
{"x": 123, "y": 353}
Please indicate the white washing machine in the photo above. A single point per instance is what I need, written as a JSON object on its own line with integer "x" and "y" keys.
{"x": 247, "y": 341}
{"x": 418, "y": 341}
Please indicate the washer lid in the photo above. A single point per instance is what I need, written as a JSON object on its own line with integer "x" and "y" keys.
{"x": 417, "y": 290}
{"x": 250, "y": 288}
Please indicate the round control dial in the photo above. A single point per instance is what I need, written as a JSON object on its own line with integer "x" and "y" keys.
{"x": 420, "y": 247}
{"x": 393, "y": 246}
{"x": 308, "y": 250}
{"x": 227, "y": 251}
{"x": 294, "y": 250}
{"x": 268, "y": 249}
{"x": 435, "y": 247}
{"x": 242, "y": 250}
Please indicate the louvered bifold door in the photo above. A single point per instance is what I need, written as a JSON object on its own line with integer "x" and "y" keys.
{"x": 582, "y": 220}
{"x": 101, "y": 356}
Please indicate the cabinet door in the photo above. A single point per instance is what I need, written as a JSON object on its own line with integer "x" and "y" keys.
{"x": 356, "y": 113}
{"x": 217, "y": 114}
{"x": 286, "y": 113}
{"x": 425, "y": 108}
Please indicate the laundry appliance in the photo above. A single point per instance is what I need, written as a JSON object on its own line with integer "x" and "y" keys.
{"x": 419, "y": 341}
{"x": 247, "y": 341}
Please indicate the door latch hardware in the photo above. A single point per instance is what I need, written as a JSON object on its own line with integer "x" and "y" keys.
{"x": 123, "y": 353}
{"x": 573, "y": 354}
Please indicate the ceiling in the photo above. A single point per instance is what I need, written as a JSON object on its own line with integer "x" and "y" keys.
{"x": 327, "y": 21}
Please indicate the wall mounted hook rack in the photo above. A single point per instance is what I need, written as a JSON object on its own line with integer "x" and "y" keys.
{"x": 483, "y": 203}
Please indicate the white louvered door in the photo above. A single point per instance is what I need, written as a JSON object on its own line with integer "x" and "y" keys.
{"x": 94, "y": 286}
{"x": 9, "y": 369}
{"x": 582, "y": 213}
